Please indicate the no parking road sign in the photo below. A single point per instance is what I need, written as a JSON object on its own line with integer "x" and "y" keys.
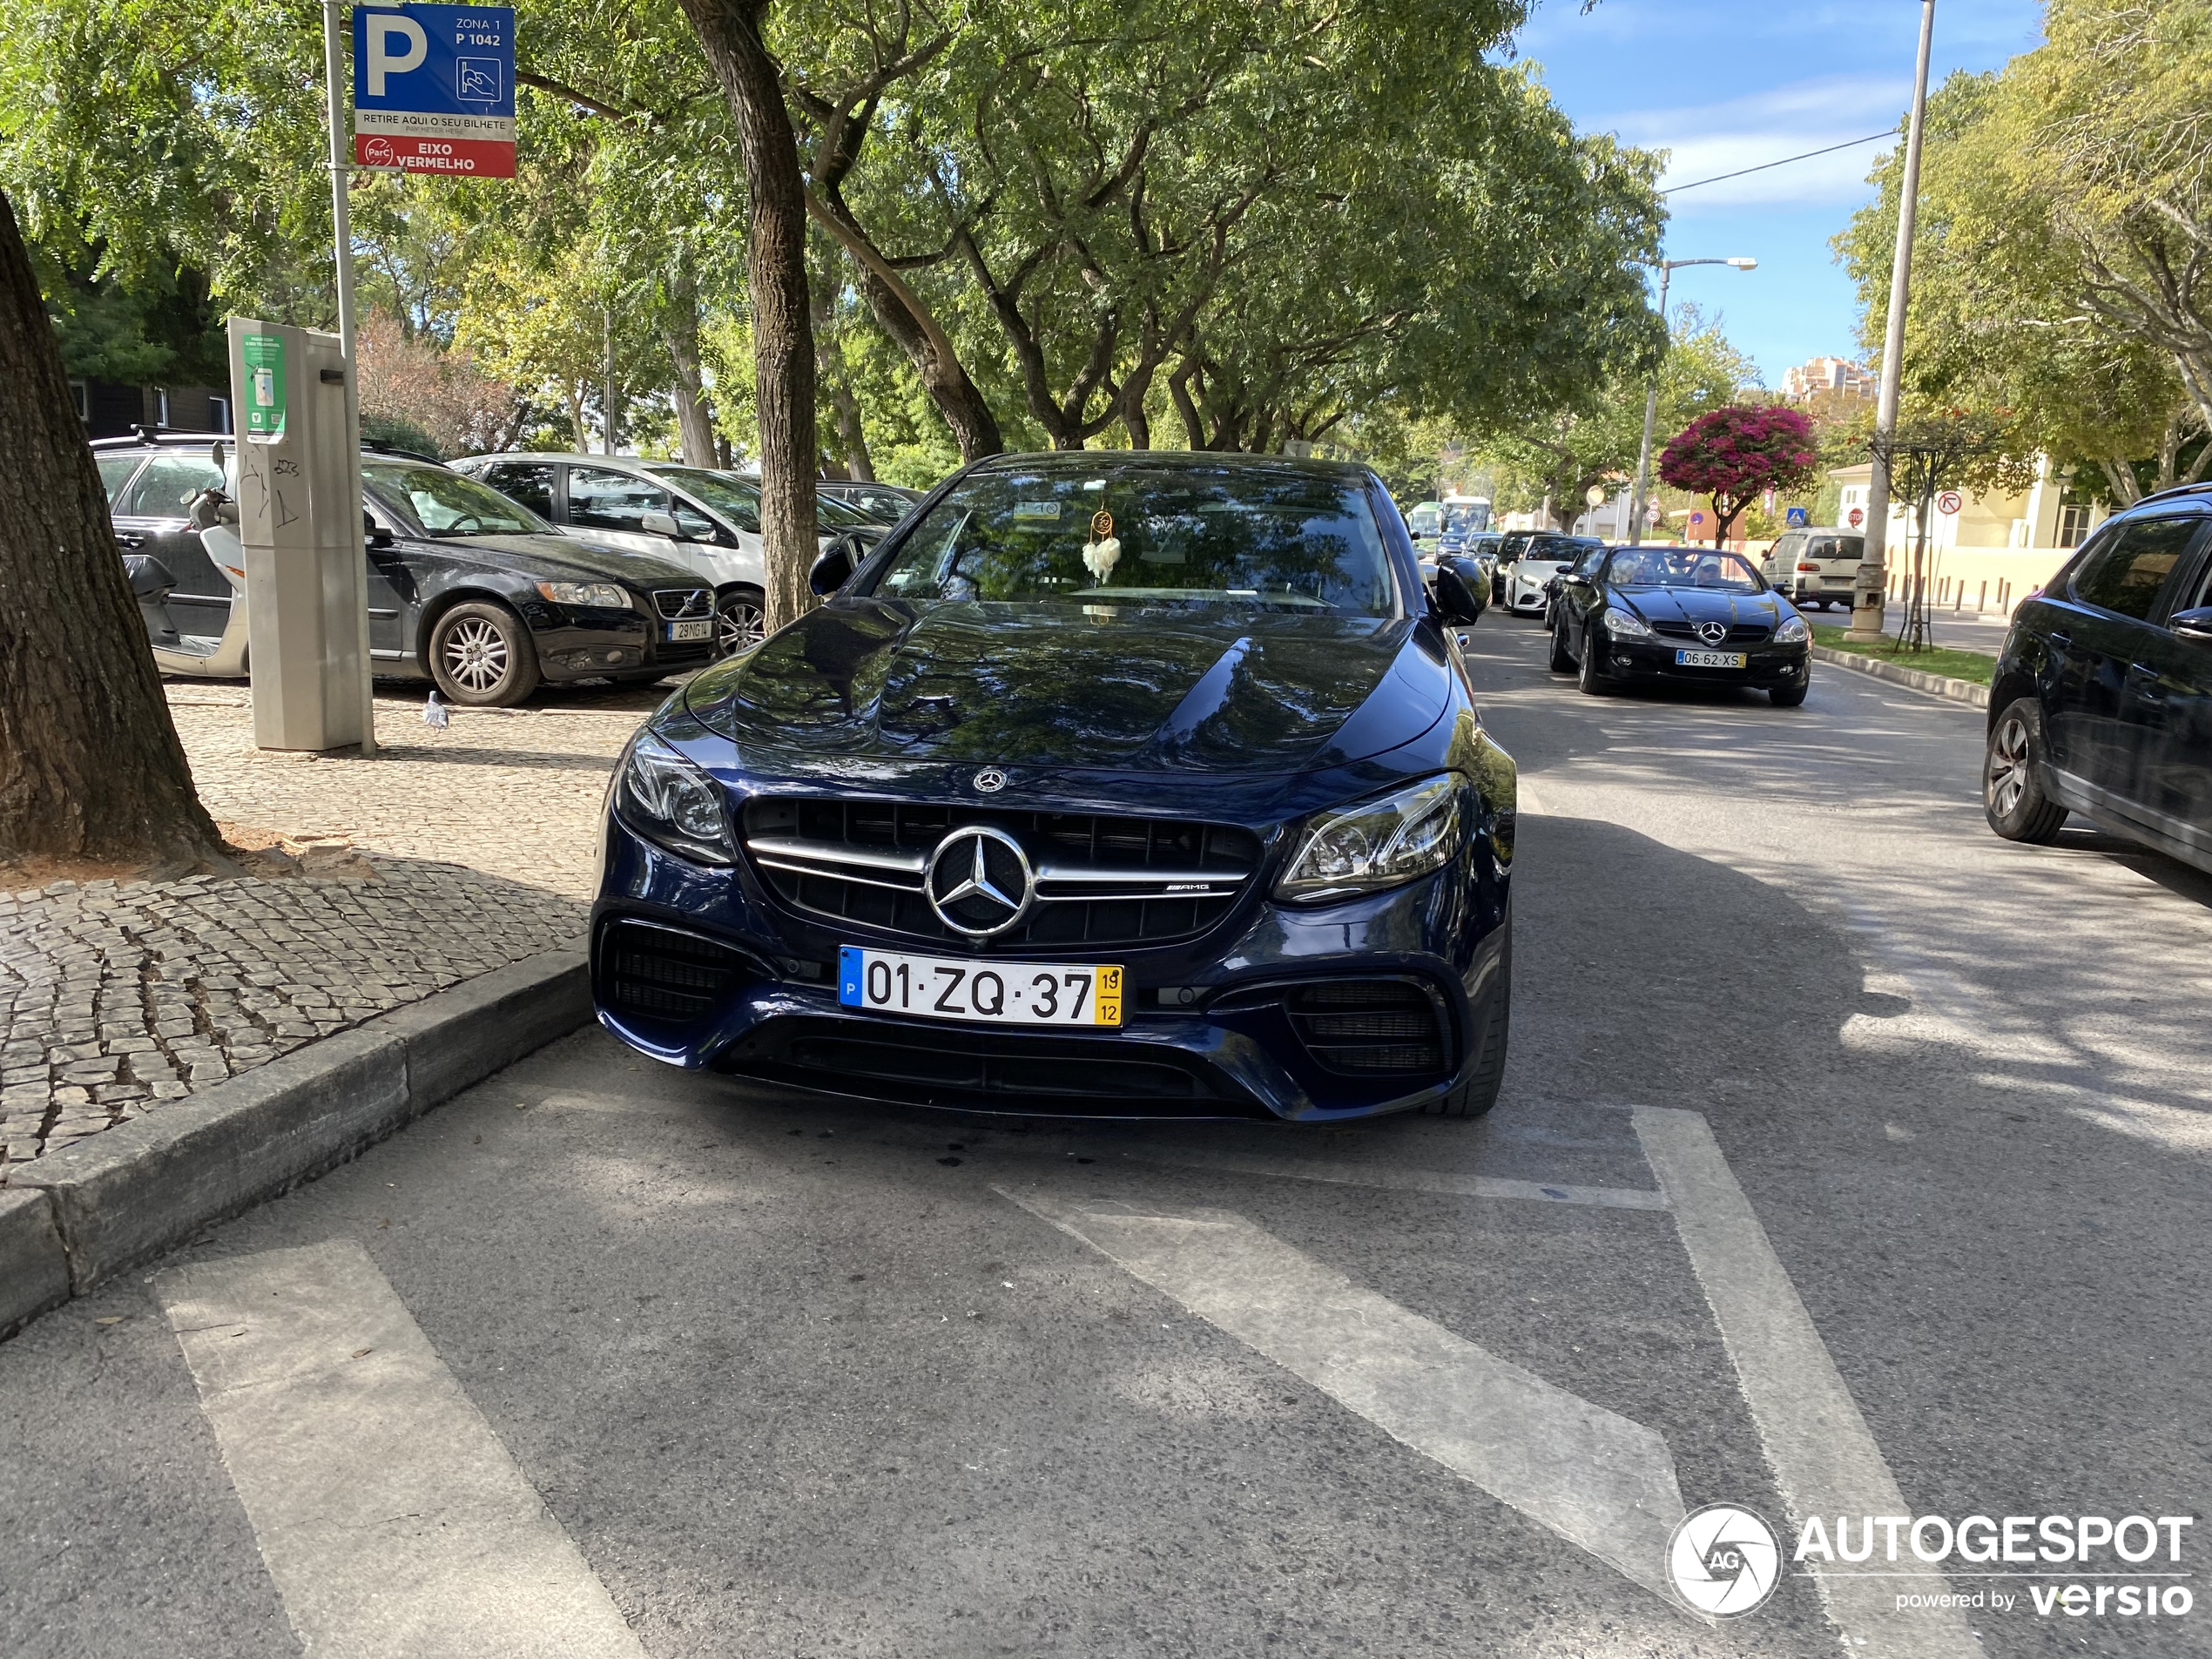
{"x": 433, "y": 89}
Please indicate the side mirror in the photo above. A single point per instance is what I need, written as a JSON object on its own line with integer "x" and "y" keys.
{"x": 660, "y": 524}
{"x": 1462, "y": 594}
{"x": 834, "y": 569}
{"x": 2193, "y": 625}
{"x": 372, "y": 532}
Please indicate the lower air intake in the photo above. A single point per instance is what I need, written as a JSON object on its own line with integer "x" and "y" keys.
{"x": 1368, "y": 1027}
{"x": 665, "y": 975}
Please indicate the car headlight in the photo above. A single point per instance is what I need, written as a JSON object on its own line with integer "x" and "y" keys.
{"x": 1623, "y": 624}
{"x": 669, "y": 801}
{"x": 604, "y": 596}
{"x": 1795, "y": 631}
{"x": 1377, "y": 844}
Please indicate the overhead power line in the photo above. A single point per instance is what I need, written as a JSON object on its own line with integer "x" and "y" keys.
{"x": 1848, "y": 144}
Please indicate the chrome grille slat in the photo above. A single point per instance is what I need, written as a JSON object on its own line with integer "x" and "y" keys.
{"x": 1100, "y": 879}
{"x": 684, "y": 605}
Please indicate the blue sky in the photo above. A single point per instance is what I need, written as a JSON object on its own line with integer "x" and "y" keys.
{"x": 1729, "y": 83}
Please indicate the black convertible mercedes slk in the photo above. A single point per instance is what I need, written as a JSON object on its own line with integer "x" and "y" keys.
{"x": 1108, "y": 784}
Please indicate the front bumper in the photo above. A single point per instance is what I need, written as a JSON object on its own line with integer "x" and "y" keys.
{"x": 580, "y": 643}
{"x": 1218, "y": 1026}
{"x": 1766, "y": 666}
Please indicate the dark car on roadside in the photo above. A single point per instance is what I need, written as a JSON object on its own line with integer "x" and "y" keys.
{"x": 2100, "y": 703}
{"x": 1690, "y": 616}
{"x": 883, "y": 504}
{"x": 466, "y": 587}
{"x": 1108, "y": 784}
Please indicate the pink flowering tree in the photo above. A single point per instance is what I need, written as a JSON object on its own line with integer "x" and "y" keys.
{"x": 1731, "y": 456}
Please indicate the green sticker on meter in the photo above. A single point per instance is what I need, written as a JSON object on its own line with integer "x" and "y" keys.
{"x": 264, "y": 359}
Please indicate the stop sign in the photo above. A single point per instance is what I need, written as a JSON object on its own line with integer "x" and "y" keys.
{"x": 1858, "y": 517}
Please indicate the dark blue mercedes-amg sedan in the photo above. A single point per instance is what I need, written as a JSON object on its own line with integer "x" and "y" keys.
{"x": 1108, "y": 784}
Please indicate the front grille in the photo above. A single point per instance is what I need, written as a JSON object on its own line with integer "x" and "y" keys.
{"x": 1362, "y": 1026}
{"x": 661, "y": 973}
{"x": 1100, "y": 879}
{"x": 1742, "y": 633}
{"x": 684, "y": 605}
{"x": 1070, "y": 1078}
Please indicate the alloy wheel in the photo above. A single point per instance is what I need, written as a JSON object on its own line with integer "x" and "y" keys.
{"x": 476, "y": 654}
{"x": 2008, "y": 766}
{"x": 740, "y": 625}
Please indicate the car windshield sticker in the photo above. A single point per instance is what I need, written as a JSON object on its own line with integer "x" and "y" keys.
{"x": 1102, "y": 551}
{"x": 1036, "y": 509}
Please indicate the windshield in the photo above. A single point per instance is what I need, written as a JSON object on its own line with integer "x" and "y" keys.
{"x": 446, "y": 503}
{"x": 736, "y": 499}
{"x": 1694, "y": 566}
{"x": 841, "y": 516}
{"x": 1242, "y": 536}
{"x": 1467, "y": 518}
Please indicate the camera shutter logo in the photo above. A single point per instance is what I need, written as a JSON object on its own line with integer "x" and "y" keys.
{"x": 1723, "y": 1560}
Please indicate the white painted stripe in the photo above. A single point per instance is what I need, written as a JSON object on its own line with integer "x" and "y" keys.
{"x": 1825, "y": 1458}
{"x": 394, "y": 1523}
{"x": 1596, "y": 1478}
{"x": 1402, "y": 1178}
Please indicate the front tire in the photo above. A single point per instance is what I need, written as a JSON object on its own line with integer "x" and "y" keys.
{"x": 1479, "y": 1092}
{"x": 1789, "y": 697}
{"x": 1559, "y": 662}
{"x": 740, "y": 621}
{"x": 482, "y": 656}
{"x": 1593, "y": 682}
{"x": 2012, "y": 795}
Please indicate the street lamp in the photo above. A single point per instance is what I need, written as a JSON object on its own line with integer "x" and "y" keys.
{"x": 1641, "y": 499}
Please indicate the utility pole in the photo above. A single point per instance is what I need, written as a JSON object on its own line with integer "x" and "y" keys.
{"x": 334, "y": 23}
{"x": 607, "y": 363}
{"x": 1866, "y": 599}
{"x": 1642, "y": 499}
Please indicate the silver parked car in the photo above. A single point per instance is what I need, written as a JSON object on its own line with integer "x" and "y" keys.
{"x": 707, "y": 522}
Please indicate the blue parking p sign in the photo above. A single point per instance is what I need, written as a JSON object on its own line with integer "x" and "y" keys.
{"x": 433, "y": 89}
{"x": 1797, "y": 517}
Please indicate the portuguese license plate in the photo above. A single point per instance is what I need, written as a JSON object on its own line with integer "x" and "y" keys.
{"x": 996, "y": 993}
{"x": 700, "y": 630}
{"x": 1709, "y": 659}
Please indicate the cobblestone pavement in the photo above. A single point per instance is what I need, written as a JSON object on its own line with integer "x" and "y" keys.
{"x": 474, "y": 848}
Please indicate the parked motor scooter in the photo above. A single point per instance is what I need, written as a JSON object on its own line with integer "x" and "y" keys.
{"x": 214, "y": 515}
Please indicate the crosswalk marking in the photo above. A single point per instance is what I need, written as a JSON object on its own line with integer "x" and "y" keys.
{"x": 1596, "y": 1478}
{"x": 394, "y": 1523}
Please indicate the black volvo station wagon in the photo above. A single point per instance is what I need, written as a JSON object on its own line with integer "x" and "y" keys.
{"x": 1108, "y": 785}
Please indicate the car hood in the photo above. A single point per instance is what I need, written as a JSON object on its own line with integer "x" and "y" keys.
{"x": 1102, "y": 688}
{"x": 565, "y": 558}
{"x": 1694, "y": 605}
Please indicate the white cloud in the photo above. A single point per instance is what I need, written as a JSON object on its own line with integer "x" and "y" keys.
{"x": 1706, "y": 139}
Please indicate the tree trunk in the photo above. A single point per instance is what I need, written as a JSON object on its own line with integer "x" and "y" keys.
{"x": 90, "y": 764}
{"x": 974, "y": 427}
{"x": 783, "y": 334}
{"x": 694, "y": 421}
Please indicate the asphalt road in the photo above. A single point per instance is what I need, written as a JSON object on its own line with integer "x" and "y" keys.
{"x": 603, "y": 1358}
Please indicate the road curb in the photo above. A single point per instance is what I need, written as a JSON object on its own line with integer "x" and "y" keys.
{"x": 75, "y": 1218}
{"x": 1934, "y": 685}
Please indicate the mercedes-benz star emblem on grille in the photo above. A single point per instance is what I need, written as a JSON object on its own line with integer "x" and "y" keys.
{"x": 990, "y": 780}
{"x": 1712, "y": 632}
{"x": 979, "y": 881}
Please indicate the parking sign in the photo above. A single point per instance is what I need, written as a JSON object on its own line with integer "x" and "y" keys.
{"x": 433, "y": 89}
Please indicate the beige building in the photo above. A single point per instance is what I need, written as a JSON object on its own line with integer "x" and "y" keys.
{"x": 1837, "y": 374}
{"x": 1993, "y": 552}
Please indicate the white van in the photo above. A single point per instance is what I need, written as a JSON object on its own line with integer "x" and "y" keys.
{"x": 1816, "y": 566}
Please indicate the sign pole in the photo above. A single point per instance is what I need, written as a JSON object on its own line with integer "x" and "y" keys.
{"x": 341, "y": 222}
